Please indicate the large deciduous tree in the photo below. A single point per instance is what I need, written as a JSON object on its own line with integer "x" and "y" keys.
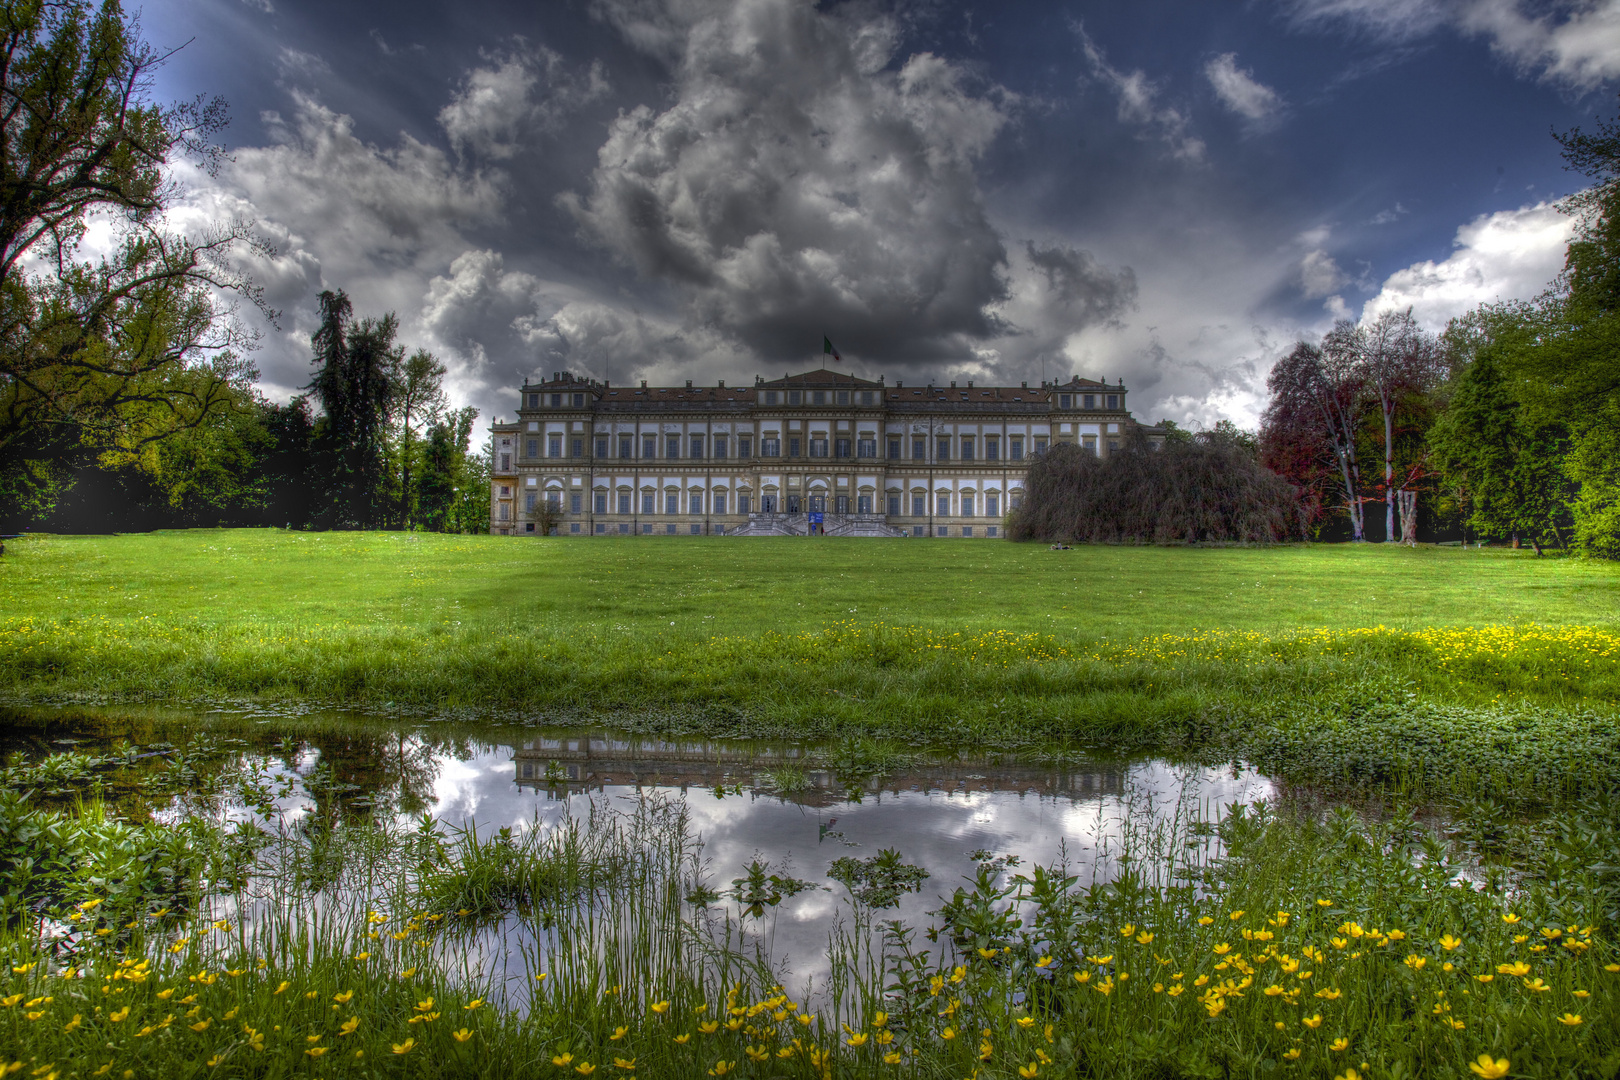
{"x": 1309, "y": 430}
{"x": 106, "y": 354}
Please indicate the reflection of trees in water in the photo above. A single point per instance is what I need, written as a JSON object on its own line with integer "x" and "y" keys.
{"x": 394, "y": 772}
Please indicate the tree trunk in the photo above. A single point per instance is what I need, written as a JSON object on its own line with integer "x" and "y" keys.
{"x": 1388, "y": 403}
{"x": 1408, "y": 502}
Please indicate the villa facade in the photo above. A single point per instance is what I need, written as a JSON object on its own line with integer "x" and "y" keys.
{"x": 819, "y": 452}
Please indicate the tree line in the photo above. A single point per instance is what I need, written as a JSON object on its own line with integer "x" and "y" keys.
{"x": 126, "y": 399}
{"x": 1504, "y": 425}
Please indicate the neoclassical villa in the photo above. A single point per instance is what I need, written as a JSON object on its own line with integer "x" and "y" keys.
{"x": 819, "y": 452}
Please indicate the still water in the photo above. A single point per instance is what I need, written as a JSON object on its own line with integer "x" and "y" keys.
{"x": 797, "y": 807}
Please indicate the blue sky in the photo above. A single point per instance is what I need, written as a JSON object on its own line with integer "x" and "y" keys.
{"x": 1168, "y": 194}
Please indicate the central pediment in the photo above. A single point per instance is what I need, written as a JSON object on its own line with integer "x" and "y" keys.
{"x": 819, "y": 377}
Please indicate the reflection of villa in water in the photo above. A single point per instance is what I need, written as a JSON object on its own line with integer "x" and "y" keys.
{"x": 576, "y": 763}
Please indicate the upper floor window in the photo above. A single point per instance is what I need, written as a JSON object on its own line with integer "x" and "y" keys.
{"x": 576, "y": 447}
{"x": 626, "y": 447}
{"x": 744, "y": 445}
{"x": 793, "y": 446}
{"x": 866, "y": 448}
{"x": 534, "y": 401}
{"x": 697, "y": 446}
{"x": 506, "y": 462}
{"x": 672, "y": 503}
{"x": 602, "y": 450}
{"x": 771, "y": 397}
{"x": 1065, "y": 400}
{"x": 770, "y": 448}
{"x": 919, "y": 449}
{"x": 1016, "y": 449}
{"x": 1113, "y": 401}
{"x": 600, "y": 503}
{"x": 818, "y": 397}
{"x": 556, "y": 401}
{"x": 719, "y": 446}
{"x": 992, "y": 448}
{"x": 579, "y": 401}
{"x": 794, "y": 397}
{"x": 506, "y": 491}
{"x": 818, "y": 448}
{"x": 531, "y": 448}
{"x": 647, "y": 501}
{"x": 992, "y": 506}
{"x": 1040, "y": 446}
{"x": 1090, "y": 401}
{"x": 942, "y": 452}
{"x": 866, "y": 397}
{"x": 967, "y": 448}
{"x": 649, "y": 446}
{"x": 894, "y": 449}
{"x": 554, "y": 446}
{"x": 841, "y": 448}
{"x": 843, "y": 397}
{"x": 672, "y": 446}
{"x": 967, "y": 506}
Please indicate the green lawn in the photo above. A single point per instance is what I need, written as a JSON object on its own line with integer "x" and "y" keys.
{"x": 713, "y": 585}
{"x": 1485, "y": 669}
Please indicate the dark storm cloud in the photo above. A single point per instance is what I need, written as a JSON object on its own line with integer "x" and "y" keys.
{"x": 804, "y": 181}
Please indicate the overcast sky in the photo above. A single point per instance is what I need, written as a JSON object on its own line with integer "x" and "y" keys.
{"x": 1165, "y": 193}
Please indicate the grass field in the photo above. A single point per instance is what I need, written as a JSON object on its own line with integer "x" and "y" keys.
{"x": 1488, "y": 668}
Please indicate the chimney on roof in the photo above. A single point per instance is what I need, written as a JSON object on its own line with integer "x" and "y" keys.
{"x": 644, "y": 384}
{"x": 722, "y": 384}
{"x": 970, "y": 384}
{"x": 953, "y": 384}
{"x": 689, "y": 384}
{"x": 1026, "y": 384}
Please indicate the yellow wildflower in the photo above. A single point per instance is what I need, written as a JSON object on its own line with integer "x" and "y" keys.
{"x": 1487, "y": 1069}
{"x": 405, "y": 1047}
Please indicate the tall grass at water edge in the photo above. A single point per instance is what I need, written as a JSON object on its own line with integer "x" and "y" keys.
{"x": 1261, "y": 944}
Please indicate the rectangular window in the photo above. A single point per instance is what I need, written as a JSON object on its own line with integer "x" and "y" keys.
{"x": 916, "y": 530}
{"x": 1017, "y": 501}
{"x": 600, "y": 528}
{"x": 1017, "y": 452}
{"x": 506, "y": 512}
{"x": 841, "y": 504}
{"x": 601, "y": 448}
{"x": 573, "y": 527}
{"x": 697, "y": 447}
{"x": 669, "y": 530}
{"x": 1113, "y": 446}
{"x": 719, "y": 446}
{"x": 770, "y": 448}
{"x": 992, "y": 448}
{"x": 919, "y": 449}
{"x": 649, "y": 446}
{"x": 579, "y": 401}
{"x": 992, "y": 506}
{"x": 863, "y": 504}
{"x": 818, "y": 447}
{"x": 672, "y": 504}
{"x": 1113, "y": 401}
{"x": 794, "y": 397}
{"x": 506, "y": 491}
{"x": 576, "y": 448}
{"x": 967, "y": 530}
{"x": 554, "y": 502}
{"x": 646, "y": 530}
{"x": 818, "y": 397}
{"x": 719, "y": 502}
{"x": 943, "y": 450}
{"x": 575, "y": 502}
{"x": 894, "y": 506}
{"x": 624, "y": 504}
{"x": 866, "y": 448}
{"x": 843, "y": 397}
{"x": 1090, "y": 401}
{"x": 647, "y": 503}
{"x": 818, "y": 504}
{"x": 967, "y": 506}
{"x": 556, "y": 401}
{"x": 1064, "y": 400}
{"x": 770, "y": 397}
{"x": 554, "y": 446}
{"x": 742, "y": 504}
{"x": 626, "y": 447}
{"x": 1040, "y": 447}
{"x": 967, "y": 449}
{"x": 506, "y": 463}
{"x": 793, "y": 447}
{"x": 531, "y": 448}
{"x": 894, "y": 449}
{"x": 866, "y": 397}
{"x": 943, "y": 507}
{"x": 624, "y": 529}
{"x": 672, "y": 446}
{"x": 697, "y": 530}
{"x": 601, "y": 504}
{"x": 1089, "y": 443}
{"x": 696, "y": 505}
{"x": 534, "y": 401}
{"x": 745, "y": 445}
{"x": 841, "y": 448}
{"x": 990, "y": 531}
{"x": 940, "y": 530}
{"x": 919, "y": 506}
{"x": 528, "y": 502}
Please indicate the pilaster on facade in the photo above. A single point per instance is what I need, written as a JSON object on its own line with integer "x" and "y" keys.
{"x": 817, "y": 452}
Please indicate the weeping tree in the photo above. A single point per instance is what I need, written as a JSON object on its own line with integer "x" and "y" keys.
{"x": 1205, "y": 489}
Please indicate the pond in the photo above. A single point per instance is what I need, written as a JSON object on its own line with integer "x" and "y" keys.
{"x": 808, "y": 813}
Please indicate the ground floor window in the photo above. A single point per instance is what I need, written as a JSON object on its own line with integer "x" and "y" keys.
{"x": 697, "y": 530}
{"x": 600, "y": 528}
{"x": 574, "y": 528}
{"x": 990, "y": 531}
{"x": 967, "y": 530}
{"x": 528, "y": 526}
{"x": 601, "y": 504}
{"x": 719, "y": 530}
{"x": 670, "y": 529}
{"x": 919, "y": 507}
{"x": 941, "y": 530}
{"x": 646, "y": 530}
{"x": 719, "y": 502}
{"x": 624, "y": 504}
{"x": 672, "y": 504}
{"x": 992, "y": 506}
{"x": 624, "y": 530}
{"x": 767, "y": 504}
{"x": 793, "y": 504}
{"x": 863, "y": 504}
{"x": 916, "y": 530}
{"x": 742, "y": 504}
{"x": 894, "y": 506}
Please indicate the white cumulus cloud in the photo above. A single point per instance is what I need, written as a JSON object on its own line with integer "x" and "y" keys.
{"x": 1239, "y": 91}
